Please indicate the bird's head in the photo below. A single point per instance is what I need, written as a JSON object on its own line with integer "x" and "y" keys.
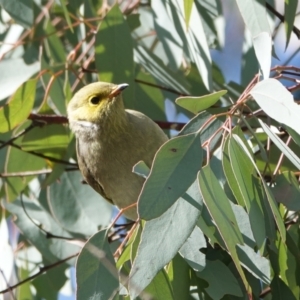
{"x": 96, "y": 102}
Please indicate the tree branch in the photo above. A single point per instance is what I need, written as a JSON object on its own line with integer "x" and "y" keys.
{"x": 53, "y": 119}
{"x": 281, "y": 18}
{"x": 56, "y": 160}
{"x": 41, "y": 271}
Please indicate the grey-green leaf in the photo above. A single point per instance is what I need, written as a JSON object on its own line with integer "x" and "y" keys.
{"x": 281, "y": 145}
{"x": 277, "y": 102}
{"x": 51, "y": 248}
{"x": 190, "y": 250}
{"x": 96, "y": 274}
{"x": 163, "y": 237}
{"x": 220, "y": 279}
{"x": 174, "y": 169}
{"x": 78, "y": 207}
{"x": 198, "y": 104}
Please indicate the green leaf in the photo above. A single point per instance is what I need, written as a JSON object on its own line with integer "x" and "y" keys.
{"x": 263, "y": 50}
{"x": 255, "y": 137}
{"x": 222, "y": 214}
{"x": 114, "y": 53}
{"x": 290, "y": 10}
{"x": 219, "y": 206}
{"x": 141, "y": 169}
{"x": 55, "y": 85}
{"x": 96, "y": 274}
{"x": 220, "y": 279}
{"x": 77, "y": 207}
{"x": 190, "y": 250}
{"x": 20, "y": 11}
{"x": 277, "y": 102}
{"x": 54, "y": 48}
{"x": 20, "y": 161}
{"x": 243, "y": 221}
{"x": 229, "y": 174}
{"x": 179, "y": 276}
{"x": 52, "y": 249}
{"x": 195, "y": 41}
{"x": 54, "y": 278}
{"x": 281, "y": 145}
{"x": 160, "y": 287}
{"x": 150, "y": 100}
{"x": 188, "y": 4}
{"x": 268, "y": 192}
{"x": 16, "y": 71}
{"x": 51, "y": 140}
{"x": 171, "y": 228}
{"x": 207, "y": 132}
{"x": 173, "y": 170}
{"x": 171, "y": 42}
{"x": 255, "y": 18}
{"x": 280, "y": 291}
{"x": 286, "y": 191}
{"x": 243, "y": 171}
{"x": 198, "y": 104}
{"x": 162, "y": 74}
{"x": 24, "y": 292}
{"x": 66, "y": 13}
{"x": 256, "y": 264}
{"x": 19, "y": 106}
{"x": 58, "y": 168}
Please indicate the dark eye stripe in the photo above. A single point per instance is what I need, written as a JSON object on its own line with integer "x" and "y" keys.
{"x": 95, "y": 100}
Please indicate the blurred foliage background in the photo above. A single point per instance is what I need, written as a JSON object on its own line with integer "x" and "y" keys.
{"x": 230, "y": 228}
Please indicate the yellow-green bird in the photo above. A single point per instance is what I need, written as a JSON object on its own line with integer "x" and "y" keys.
{"x": 110, "y": 141}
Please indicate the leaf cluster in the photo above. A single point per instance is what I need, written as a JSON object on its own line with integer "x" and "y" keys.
{"x": 219, "y": 210}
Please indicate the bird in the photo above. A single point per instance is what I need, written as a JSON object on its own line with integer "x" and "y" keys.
{"x": 110, "y": 140}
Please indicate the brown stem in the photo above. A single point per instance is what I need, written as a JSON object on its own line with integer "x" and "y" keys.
{"x": 49, "y": 119}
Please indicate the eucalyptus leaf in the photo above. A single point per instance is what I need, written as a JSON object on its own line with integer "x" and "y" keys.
{"x": 114, "y": 53}
{"x": 96, "y": 273}
{"x": 290, "y": 10}
{"x": 257, "y": 265}
{"x": 190, "y": 250}
{"x": 21, "y": 11}
{"x": 51, "y": 248}
{"x": 286, "y": 190}
{"x": 222, "y": 214}
{"x": 220, "y": 279}
{"x": 277, "y": 102}
{"x": 243, "y": 171}
{"x": 281, "y": 145}
{"x": 171, "y": 228}
{"x": 18, "y": 107}
{"x": 78, "y": 207}
{"x": 198, "y": 104}
{"x": 16, "y": 71}
{"x": 173, "y": 170}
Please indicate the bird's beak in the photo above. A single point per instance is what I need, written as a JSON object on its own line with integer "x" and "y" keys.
{"x": 117, "y": 90}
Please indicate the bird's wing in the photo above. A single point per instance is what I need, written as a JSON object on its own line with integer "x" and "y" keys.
{"x": 88, "y": 177}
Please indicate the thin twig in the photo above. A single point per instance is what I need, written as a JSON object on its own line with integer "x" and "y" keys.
{"x": 282, "y": 18}
{"x": 56, "y": 160}
{"x": 47, "y": 233}
{"x": 33, "y": 125}
{"x": 41, "y": 271}
{"x": 8, "y": 285}
{"x": 161, "y": 87}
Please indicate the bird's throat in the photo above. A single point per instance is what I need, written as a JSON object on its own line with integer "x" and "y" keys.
{"x": 87, "y": 124}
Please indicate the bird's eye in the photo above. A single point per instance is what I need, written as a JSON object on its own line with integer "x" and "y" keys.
{"x": 95, "y": 100}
